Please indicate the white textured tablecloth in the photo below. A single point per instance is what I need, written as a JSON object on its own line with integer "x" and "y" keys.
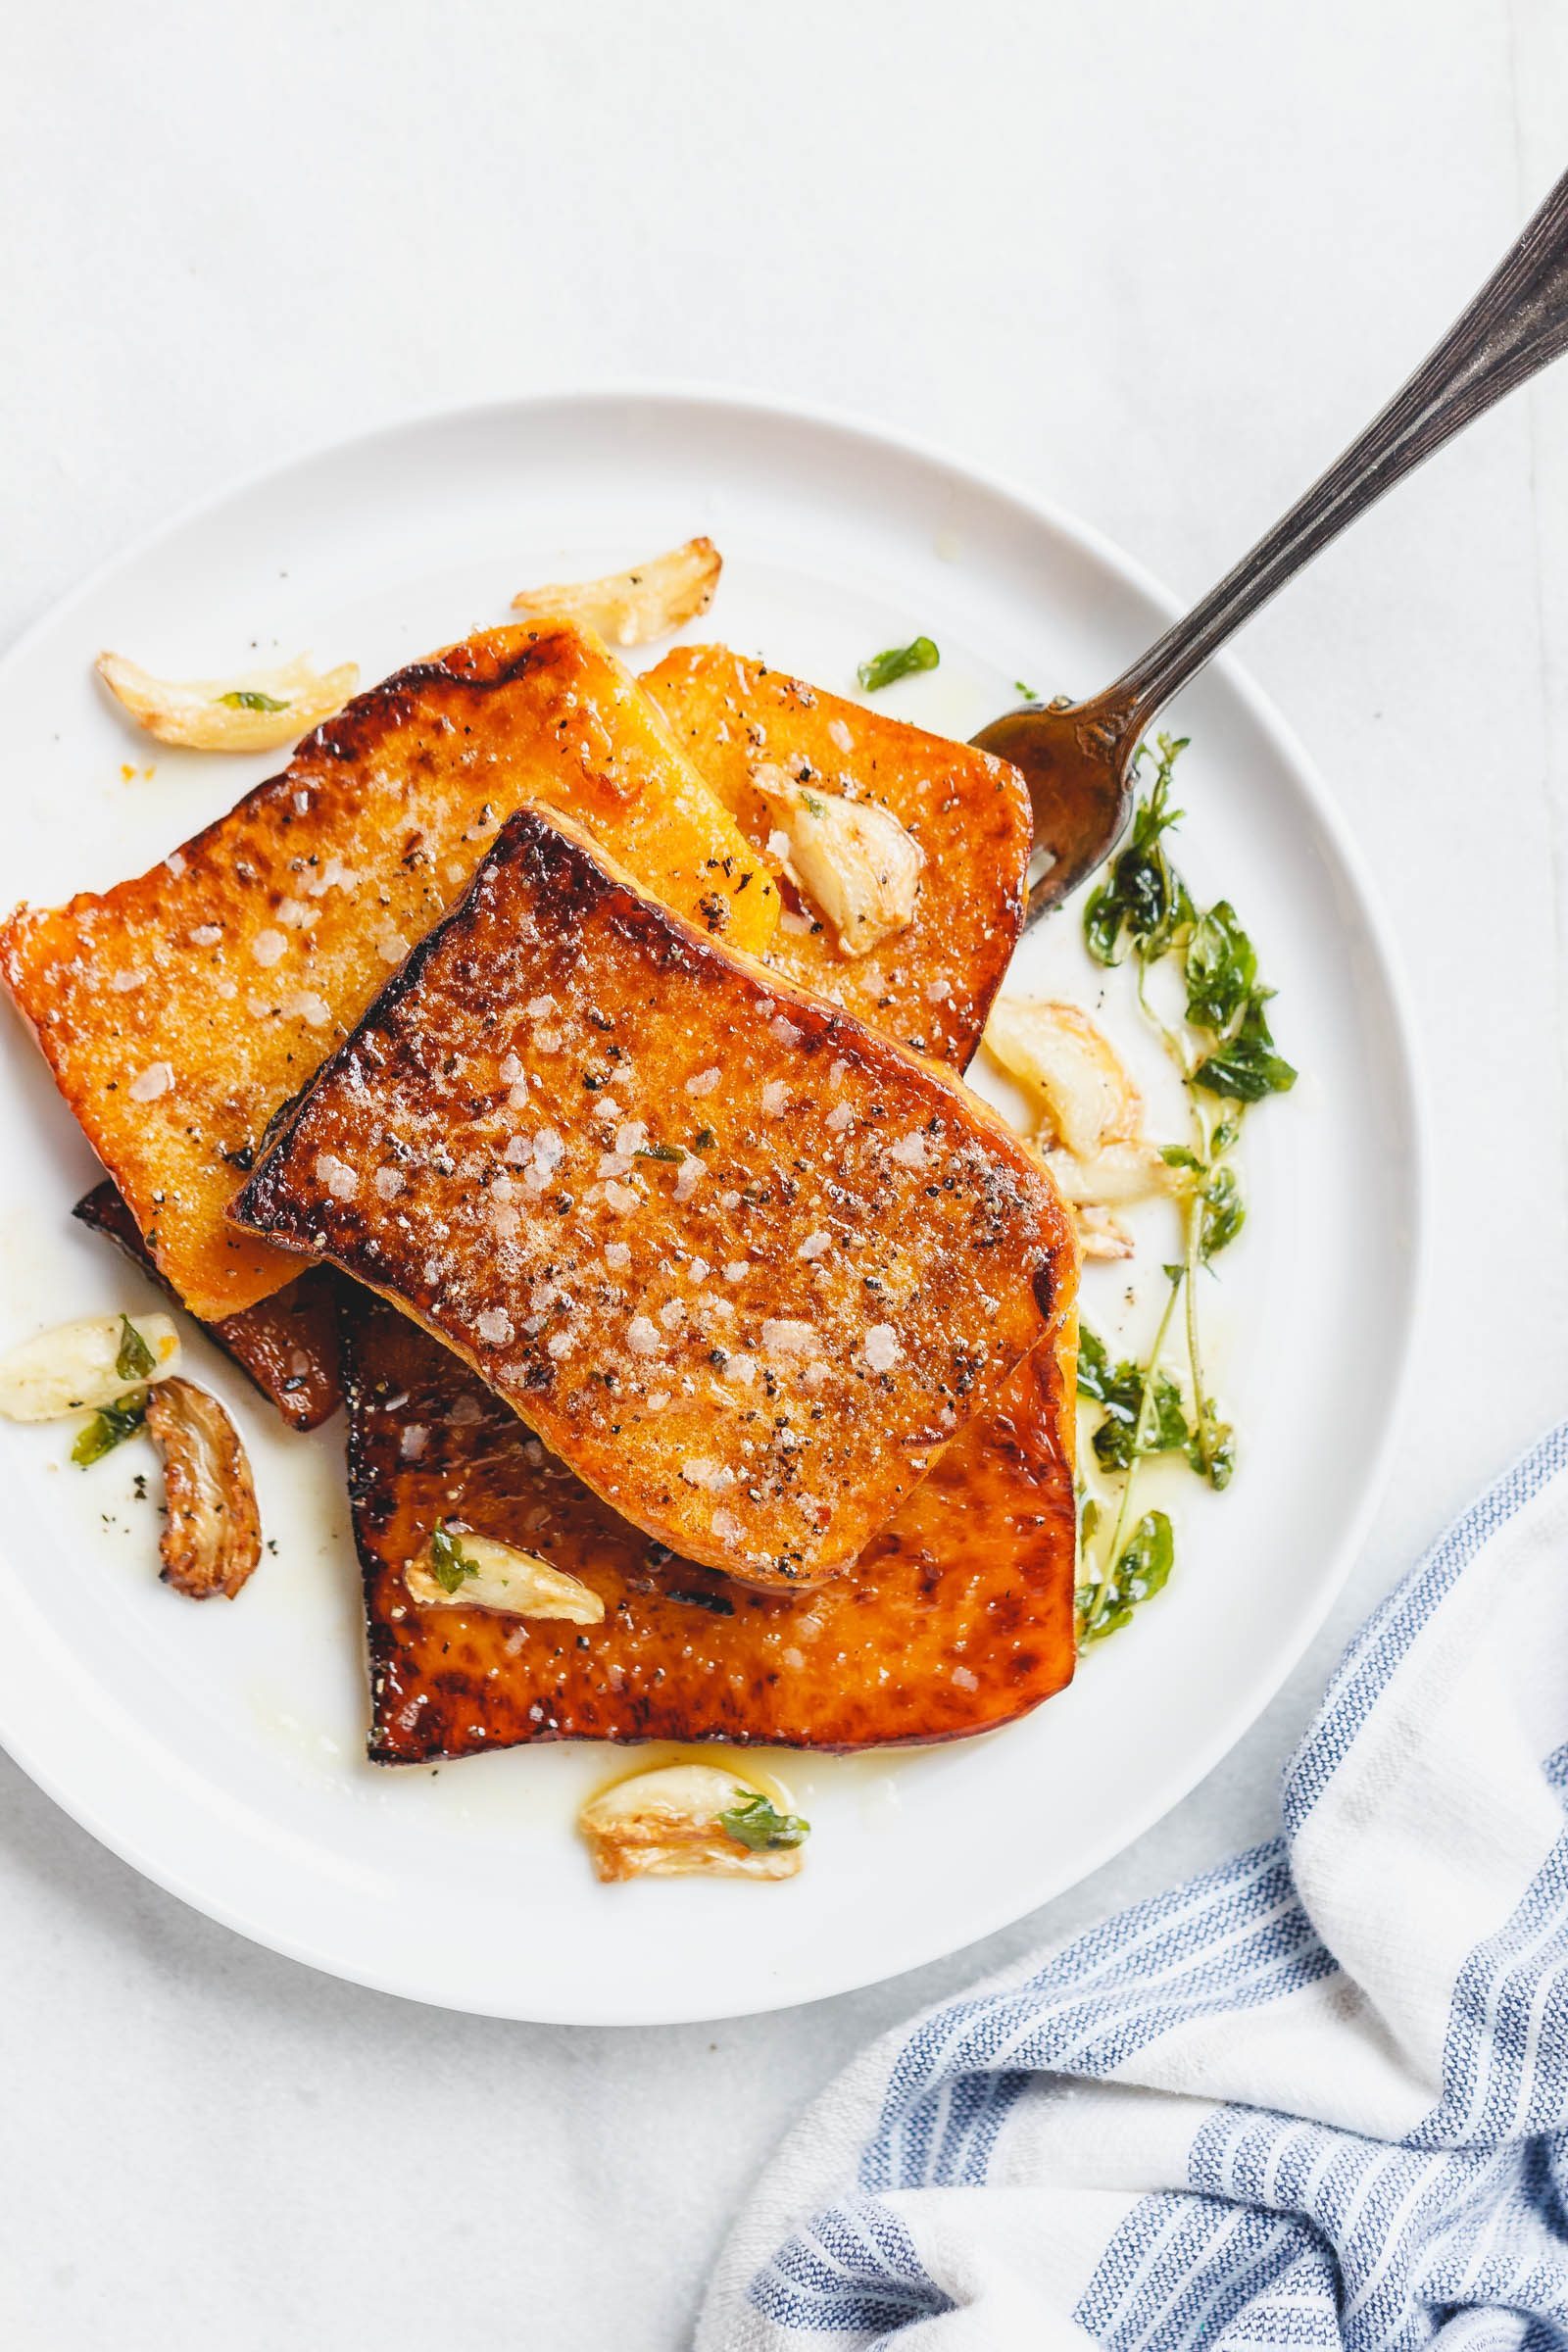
{"x": 1157, "y": 262}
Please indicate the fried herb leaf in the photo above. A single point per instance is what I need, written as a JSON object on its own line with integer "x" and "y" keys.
{"x": 450, "y": 1564}
{"x": 1144, "y": 903}
{"x": 1246, "y": 1067}
{"x": 109, "y": 1427}
{"x": 1222, "y": 1215}
{"x": 135, "y": 1359}
{"x": 898, "y": 661}
{"x": 1221, "y": 968}
{"x": 248, "y": 698}
{"x": 1093, "y": 1365}
{"x": 1115, "y": 1440}
{"x": 755, "y": 1822}
{"x": 659, "y": 1152}
{"x": 1145, "y": 1566}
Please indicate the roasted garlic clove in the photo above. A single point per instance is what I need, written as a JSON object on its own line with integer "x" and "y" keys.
{"x": 680, "y": 1819}
{"x": 211, "y": 1536}
{"x": 850, "y": 858}
{"x": 1111, "y": 1176}
{"x": 257, "y": 711}
{"x": 461, "y": 1571}
{"x": 1068, "y": 1068}
{"x": 83, "y": 1366}
{"x": 631, "y": 607}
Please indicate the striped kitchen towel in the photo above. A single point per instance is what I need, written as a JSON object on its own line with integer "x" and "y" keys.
{"x": 1317, "y": 2096}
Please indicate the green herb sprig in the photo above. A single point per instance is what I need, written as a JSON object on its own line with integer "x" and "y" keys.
{"x": 250, "y": 698}
{"x": 1227, "y": 1058}
{"x": 899, "y": 661}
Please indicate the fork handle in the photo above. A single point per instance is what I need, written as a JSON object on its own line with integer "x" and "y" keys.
{"x": 1516, "y": 324}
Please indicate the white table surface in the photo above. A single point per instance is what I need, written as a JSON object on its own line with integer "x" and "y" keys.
{"x": 1157, "y": 262}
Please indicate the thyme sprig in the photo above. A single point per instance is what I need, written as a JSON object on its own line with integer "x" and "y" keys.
{"x": 1224, "y": 1051}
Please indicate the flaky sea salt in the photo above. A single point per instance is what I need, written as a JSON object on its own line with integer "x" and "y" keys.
{"x": 340, "y": 1179}
{"x": 642, "y": 1336}
{"x": 268, "y": 945}
{"x": 307, "y": 1006}
{"x": 785, "y": 1334}
{"x": 148, "y": 1084}
{"x": 494, "y": 1326}
{"x": 705, "y": 1081}
{"x": 881, "y": 1348}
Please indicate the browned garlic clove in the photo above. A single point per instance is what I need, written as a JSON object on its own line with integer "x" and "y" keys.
{"x": 211, "y": 1536}
{"x": 631, "y": 607}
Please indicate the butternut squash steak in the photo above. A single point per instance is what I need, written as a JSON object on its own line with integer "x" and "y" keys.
{"x": 746, "y": 1265}
{"x": 178, "y": 1011}
{"x": 929, "y": 984}
{"x": 287, "y": 1345}
{"x": 956, "y": 1618}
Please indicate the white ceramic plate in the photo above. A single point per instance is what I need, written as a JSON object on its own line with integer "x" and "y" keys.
{"x": 219, "y": 1749}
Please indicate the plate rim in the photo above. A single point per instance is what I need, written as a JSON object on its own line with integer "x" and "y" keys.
{"x": 1413, "y": 1120}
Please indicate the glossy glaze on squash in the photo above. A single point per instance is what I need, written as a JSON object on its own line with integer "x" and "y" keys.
{"x": 957, "y": 1618}
{"x": 746, "y": 1265}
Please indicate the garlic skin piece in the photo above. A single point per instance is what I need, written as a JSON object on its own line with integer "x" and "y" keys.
{"x": 852, "y": 859}
{"x": 1069, "y": 1068}
{"x": 1100, "y": 1235}
{"x": 211, "y": 1536}
{"x": 510, "y": 1583}
{"x": 631, "y": 607}
{"x": 665, "y": 1824}
{"x": 194, "y": 713}
{"x": 72, "y": 1368}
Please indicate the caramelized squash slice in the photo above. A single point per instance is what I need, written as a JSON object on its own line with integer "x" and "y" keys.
{"x": 929, "y": 985}
{"x": 744, "y": 1264}
{"x": 958, "y": 1617}
{"x": 286, "y": 1344}
{"x": 178, "y": 1011}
